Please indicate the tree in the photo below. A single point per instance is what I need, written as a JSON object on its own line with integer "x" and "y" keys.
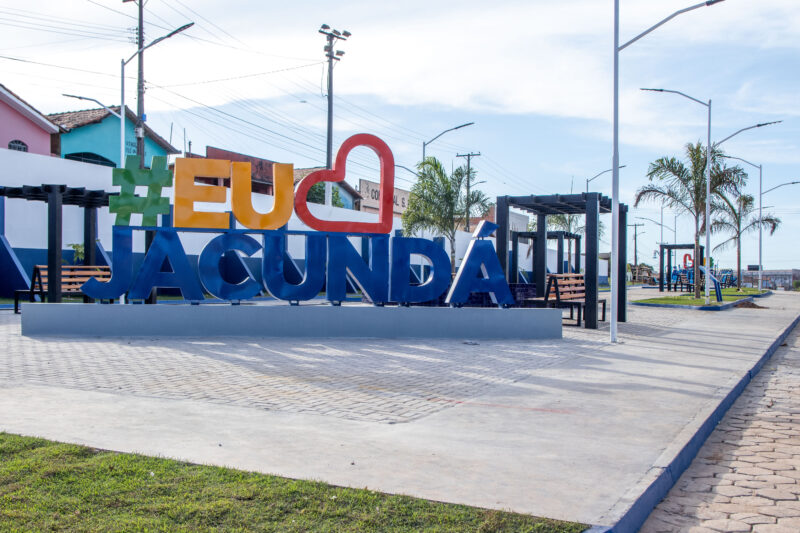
{"x": 683, "y": 186}
{"x": 438, "y": 202}
{"x": 736, "y": 217}
{"x": 316, "y": 195}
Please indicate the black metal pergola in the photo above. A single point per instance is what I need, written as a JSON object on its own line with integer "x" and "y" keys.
{"x": 669, "y": 248}
{"x": 57, "y": 196}
{"x": 589, "y": 204}
{"x": 559, "y": 236}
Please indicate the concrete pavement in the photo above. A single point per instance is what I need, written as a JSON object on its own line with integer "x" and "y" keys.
{"x": 573, "y": 429}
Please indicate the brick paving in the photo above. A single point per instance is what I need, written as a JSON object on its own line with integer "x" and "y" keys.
{"x": 747, "y": 475}
{"x": 384, "y": 381}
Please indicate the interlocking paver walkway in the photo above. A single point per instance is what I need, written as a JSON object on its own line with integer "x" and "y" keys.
{"x": 390, "y": 381}
{"x": 747, "y": 475}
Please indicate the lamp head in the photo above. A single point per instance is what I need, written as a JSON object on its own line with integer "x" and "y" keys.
{"x": 324, "y": 27}
{"x": 346, "y": 33}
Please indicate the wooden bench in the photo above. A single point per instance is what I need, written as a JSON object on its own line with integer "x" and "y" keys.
{"x": 569, "y": 290}
{"x": 683, "y": 282}
{"x": 72, "y": 279}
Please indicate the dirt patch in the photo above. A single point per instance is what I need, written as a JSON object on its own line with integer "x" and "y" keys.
{"x": 751, "y": 305}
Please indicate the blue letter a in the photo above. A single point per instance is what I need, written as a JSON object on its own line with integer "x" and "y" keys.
{"x": 166, "y": 247}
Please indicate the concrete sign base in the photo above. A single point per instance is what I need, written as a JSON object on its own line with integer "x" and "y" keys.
{"x": 303, "y": 321}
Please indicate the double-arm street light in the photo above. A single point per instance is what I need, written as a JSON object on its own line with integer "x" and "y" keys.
{"x": 760, "y": 208}
{"x": 424, "y": 144}
{"x": 708, "y": 175}
{"x": 139, "y": 130}
{"x": 589, "y": 180}
{"x": 615, "y": 155}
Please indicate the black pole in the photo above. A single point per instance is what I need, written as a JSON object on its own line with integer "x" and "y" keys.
{"x": 560, "y": 254}
{"x": 591, "y": 274}
{"x": 669, "y": 271}
{"x": 577, "y": 255}
{"x": 54, "y": 241}
{"x": 622, "y": 288}
{"x": 89, "y": 235}
{"x": 540, "y": 256}
{"x": 514, "y": 267}
{"x": 661, "y": 269}
{"x": 501, "y": 236}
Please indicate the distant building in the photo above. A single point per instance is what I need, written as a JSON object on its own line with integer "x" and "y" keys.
{"x": 370, "y": 201}
{"x": 92, "y": 136}
{"x": 23, "y": 128}
{"x": 772, "y": 279}
{"x": 347, "y": 193}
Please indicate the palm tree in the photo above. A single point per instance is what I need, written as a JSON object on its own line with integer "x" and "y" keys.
{"x": 438, "y": 202}
{"x": 736, "y": 218}
{"x": 683, "y": 186}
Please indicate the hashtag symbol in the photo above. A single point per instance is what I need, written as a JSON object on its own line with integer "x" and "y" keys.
{"x": 130, "y": 177}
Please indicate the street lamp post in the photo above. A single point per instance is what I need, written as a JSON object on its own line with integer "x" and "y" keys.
{"x": 760, "y": 211}
{"x": 124, "y": 62}
{"x": 597, "y": 176}
{"x": 615, "y": 154}
{"x": 734, "y": 134}
{"x": 424, "y": 144}
{"x": 708, "y": 183}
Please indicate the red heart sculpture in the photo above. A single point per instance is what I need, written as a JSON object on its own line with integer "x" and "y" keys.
{"x": 337, "y": 173}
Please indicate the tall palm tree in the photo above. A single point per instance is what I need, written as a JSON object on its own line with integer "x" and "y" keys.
{"x": 682, "y": 186}
{"x": 736, "y": 217}
{"x": 438, "y": 202}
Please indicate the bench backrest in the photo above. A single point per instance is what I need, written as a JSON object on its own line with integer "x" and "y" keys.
{"x": 566, "y": 287}
{"x": 72, "y": 276}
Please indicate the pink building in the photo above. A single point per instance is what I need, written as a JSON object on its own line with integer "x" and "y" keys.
{"x": 23, "y": 128}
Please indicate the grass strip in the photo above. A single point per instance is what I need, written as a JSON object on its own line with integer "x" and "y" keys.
{"x": 51, "y": 486}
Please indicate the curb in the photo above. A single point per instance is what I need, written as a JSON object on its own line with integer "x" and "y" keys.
{"x": 641, "y": 508}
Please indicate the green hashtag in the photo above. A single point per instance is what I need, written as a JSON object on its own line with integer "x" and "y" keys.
{"x": 132, "y": 176}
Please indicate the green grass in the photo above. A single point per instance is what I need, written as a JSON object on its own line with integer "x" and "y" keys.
{"x": 728, "y": 295}
{"x": 46, "y": 485}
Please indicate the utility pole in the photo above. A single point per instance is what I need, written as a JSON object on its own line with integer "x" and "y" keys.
{"x": 140, "y": 90}
{"x": 467, "y": 203}
{"x": 635, "y": 248}
{"x": 331, "y": 36}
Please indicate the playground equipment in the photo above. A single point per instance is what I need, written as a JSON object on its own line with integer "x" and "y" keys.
{"x": 671, "y": 277}
{"x": 717, "y": 287}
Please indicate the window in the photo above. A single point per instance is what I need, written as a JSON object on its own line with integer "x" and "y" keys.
{"x": 18, "y": 145}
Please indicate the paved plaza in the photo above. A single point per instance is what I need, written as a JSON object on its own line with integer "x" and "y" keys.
{"x": 571, "y": 429}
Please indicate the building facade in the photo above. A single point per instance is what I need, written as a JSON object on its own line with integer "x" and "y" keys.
{"x": 23, "y": 128}
{"x": 92, "y": 136}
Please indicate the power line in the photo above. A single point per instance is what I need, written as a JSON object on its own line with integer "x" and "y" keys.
{"x": 21, "y": 60}
{"x": 243, "y": 76}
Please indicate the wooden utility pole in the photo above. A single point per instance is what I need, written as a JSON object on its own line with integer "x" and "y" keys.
{"x": 467, "y": 203}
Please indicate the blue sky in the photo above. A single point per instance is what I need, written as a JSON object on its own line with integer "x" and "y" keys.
{"x": 535, "y": 76}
